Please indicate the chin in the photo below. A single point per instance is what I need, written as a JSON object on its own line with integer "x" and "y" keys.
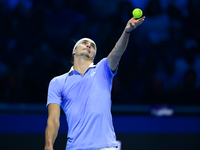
{"x": 85, "y": 55}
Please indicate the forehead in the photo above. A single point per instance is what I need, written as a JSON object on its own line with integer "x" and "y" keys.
{"x": 89, "y": 41}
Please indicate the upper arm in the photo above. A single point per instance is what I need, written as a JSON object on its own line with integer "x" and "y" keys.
{"x": 54, "y": 112}
{"x": 116, "y": 53}
{"x": 113, "y": 61}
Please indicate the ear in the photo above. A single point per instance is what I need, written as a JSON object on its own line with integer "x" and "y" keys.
{"x": 73, "y": 53}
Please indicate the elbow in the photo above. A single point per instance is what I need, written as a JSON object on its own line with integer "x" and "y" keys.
{"x": 113, "y": 62}
{"x": 116, "y": 59}
{"x": 53, "y": 122}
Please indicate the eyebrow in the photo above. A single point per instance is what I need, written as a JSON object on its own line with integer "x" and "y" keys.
{"x": 85, "y": 40}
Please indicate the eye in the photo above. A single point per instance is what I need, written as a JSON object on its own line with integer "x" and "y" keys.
{"x": 93, "y": 46}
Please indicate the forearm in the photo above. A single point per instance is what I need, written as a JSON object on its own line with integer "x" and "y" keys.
{"x": 116, "y": 53}
{"x": 121, "y": 45}
{"x": 51, "y": 132}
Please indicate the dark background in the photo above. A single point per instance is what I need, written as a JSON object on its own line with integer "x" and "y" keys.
{"x": 160, "y": 66}
{"x": 156, "y": 92}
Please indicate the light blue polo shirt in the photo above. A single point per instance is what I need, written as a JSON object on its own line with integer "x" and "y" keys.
{"x": 86, "y": 101}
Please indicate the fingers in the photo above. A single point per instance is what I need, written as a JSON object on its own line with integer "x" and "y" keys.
{"x": 133, "y": 23}
{"x": 139, "y": 21}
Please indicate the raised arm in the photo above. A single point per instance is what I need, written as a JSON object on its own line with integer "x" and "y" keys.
{"x": 116, "y": 53}
{"x": 53, "y": 124}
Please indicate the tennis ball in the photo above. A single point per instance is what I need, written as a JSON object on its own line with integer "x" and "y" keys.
{"x": 137, "y": 13}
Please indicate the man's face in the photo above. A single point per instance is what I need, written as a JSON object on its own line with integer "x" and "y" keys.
{"x": 85, "y": 48}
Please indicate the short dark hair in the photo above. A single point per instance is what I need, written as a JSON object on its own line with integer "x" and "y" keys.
{"x": 72, "y": 59}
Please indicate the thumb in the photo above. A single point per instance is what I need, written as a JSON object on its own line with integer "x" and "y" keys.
{"x": 133, "y": 18}
{"x": 133, "y": 26}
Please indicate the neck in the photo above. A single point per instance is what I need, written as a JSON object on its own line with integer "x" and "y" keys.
{"x": 81, "y": 65}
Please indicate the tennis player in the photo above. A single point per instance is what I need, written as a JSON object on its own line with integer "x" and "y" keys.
{"x": 84, "y": 93}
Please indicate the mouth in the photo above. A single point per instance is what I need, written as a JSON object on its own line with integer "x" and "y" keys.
{"x": 87, "y": 49}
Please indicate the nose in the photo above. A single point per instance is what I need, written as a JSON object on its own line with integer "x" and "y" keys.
{"x": 88, "y": 45}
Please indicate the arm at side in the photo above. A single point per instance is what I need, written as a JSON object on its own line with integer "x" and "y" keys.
{"x": 53, "y": 124}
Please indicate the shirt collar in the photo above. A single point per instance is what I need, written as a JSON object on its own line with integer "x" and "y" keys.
{"x": 90, "y": 66}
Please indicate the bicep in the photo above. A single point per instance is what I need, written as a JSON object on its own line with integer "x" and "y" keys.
{"x": 113, "y": 61}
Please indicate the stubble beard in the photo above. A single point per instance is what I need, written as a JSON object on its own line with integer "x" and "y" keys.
{"x": 84, "y": 56}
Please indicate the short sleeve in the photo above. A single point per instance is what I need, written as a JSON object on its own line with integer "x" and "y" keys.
{"x": 54, "y": 92}
{"x": 103, "y": 65}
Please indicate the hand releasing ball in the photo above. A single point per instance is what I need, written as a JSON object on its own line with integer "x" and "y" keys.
{"x": 137, "y": 13}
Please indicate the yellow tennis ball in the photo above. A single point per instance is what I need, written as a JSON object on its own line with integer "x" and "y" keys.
{"x": 137, "y": 13}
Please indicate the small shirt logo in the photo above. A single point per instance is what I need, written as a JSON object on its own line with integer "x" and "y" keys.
{"x": 93, "y": 74}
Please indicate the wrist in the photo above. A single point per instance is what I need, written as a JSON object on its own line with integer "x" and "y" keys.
{"x": 49, "y": 143}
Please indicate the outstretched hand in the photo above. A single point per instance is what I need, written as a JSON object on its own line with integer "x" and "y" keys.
{"x": 133, "y": 23}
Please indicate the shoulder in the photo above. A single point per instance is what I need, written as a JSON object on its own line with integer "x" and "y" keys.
{"x": 59, "y": 79}
{"x": 103, "y": 64}
{"x": 102, "y": 61}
